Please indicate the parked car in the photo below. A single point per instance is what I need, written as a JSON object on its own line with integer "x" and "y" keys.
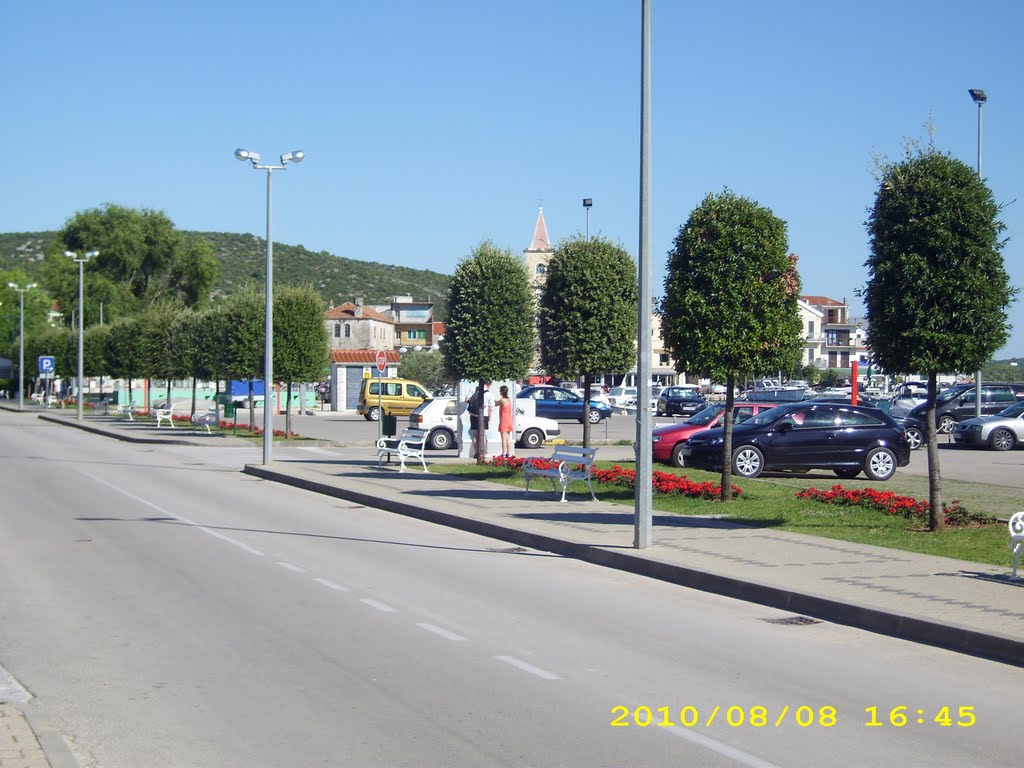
{"x": 679, "y": 400}
{"x": 667, "y": 440}
{"x": 957, "y": 403}
{"x": 1001, "y": 432}
{"x": 557, "y": 403}
{"x": 620, "y": 397}
{"x": 847, "y": 439}
{"x": 395, "y": 397}
{"x": 439, "y": 416}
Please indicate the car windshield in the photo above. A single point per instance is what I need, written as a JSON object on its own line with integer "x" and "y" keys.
{"x": 951, "y": 394}
{"x": 1013, "y": 411}
{"x": 705, "y": 415}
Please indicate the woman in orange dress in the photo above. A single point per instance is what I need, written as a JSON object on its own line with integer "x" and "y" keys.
{"x": 505, "y": 422}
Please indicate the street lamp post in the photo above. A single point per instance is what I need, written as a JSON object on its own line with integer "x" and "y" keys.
{"x": 21, "y": 339}
{"x": 268, "y": 324}
{"x": 81, "y": 315}
{"x": 587, "y": 202}
{"x": 980, "y": 98}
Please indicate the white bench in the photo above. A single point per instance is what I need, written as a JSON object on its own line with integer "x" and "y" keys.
{"x": 409, "y": 445}
{"x": 164, "y": 414}
{"x": 205, "y": 419}
{"x": 126, "y": 409}
{"x": 1016, "y": 539}
{"x": 565, "y": 465}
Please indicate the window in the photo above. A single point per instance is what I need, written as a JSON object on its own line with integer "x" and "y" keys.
{"x": 810, "y": 329}
{"x": 542, "y": 269}
{"x": 663, "y": 360}
{"x": 416, "y": 335}
{"x": 337, "y": 330}
{"x": 348, "y": 331}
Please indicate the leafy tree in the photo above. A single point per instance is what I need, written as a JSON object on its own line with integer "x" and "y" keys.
{"x": 244, "y": 337}
{"x": 125, "y": 351}
{"x": 730, "y": 303}
{"x": 427, "y": 368}
{"x": 937, "y": 289}
{"x": 159, "y": 342}
{"x": 211, "y": 349}
{"x": 37, "y": 303}
{"x": 185, "y": 351}
{"x": 193, "y": 271}
{"x": 588, "y": 312}
{"x": 56, "y": 343}
{"x": 301, "y": 346}
{"x": 490, "y": 322}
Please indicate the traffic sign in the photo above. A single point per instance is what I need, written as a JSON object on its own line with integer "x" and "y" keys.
{"x": 382, "y": 360}
{"x": 46, "y": 364}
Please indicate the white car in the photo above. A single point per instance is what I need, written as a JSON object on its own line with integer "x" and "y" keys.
{"x": 620, "y": 397}
{"x": 439, "y": 415}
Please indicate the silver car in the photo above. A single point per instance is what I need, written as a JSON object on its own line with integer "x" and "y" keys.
{"x": 1000, "y": 432}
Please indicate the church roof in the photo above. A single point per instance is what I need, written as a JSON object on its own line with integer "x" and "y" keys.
{"x": 540, "y": 240}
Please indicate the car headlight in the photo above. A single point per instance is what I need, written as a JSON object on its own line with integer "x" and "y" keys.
{"x": 716, "y": 440}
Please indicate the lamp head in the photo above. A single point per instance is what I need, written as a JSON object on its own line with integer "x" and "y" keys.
{"x": 30, "y": 286}
{"x": 245, "y": 154}
{"x": 292, "y": 157}
{"x": 978, "y": 95}
{"x": 12, "y": 285}
{"x": 587, "y": 202}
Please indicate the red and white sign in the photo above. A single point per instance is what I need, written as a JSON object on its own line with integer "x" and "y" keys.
{"x": 382, "y": 360}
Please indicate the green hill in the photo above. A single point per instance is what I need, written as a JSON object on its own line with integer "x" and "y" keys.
{"x": 242, "y": 259}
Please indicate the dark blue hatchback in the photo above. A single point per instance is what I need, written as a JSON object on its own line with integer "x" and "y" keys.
{"x": 845, "y": 439}
{"x": 561, "y": 404}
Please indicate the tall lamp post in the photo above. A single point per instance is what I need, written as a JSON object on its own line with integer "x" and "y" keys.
{"x": 81, "y": 315}
{"x": 21, "y": 339}
{"x": 268, "y": 324}
{"x": 587, "y": 202}
{"x": 979, "y": 98}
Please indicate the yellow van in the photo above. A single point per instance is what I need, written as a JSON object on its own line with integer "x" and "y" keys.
{"x": 395, "y": 397}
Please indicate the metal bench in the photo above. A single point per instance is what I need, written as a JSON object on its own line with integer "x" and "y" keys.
{"x": 1016, "y": 539}
{"x": 565, "y": 465}
{"x": 205, "y": 419}
{"x": 409, "y": 445}
{"x": 164, "y": 414}
{"x": 126, "y": 409}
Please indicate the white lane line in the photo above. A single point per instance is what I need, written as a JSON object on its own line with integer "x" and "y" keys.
{"x": 331, "y": 585}
{"x": 321, "y": 451}
{"x": 11, "y": 690}
{"x": 721, "y": 748}
{"x": 384, "y": 607}
{"x": 290, "y": 567}
{"x": 162, "y": 511}
{"x": 441, "y": 632}
{"x": 526, "y": 667}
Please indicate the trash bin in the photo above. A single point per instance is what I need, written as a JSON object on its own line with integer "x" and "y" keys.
{"x": 229, "y": 410}
{"x": 388, "y": 425}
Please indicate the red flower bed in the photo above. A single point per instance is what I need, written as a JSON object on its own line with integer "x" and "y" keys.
{"x": 889, "y": 503}
{"x": 661, "y": 482}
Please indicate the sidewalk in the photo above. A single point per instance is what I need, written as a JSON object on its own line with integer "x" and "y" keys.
{"x": 963, "y": 606}
{"x": 18, "y": 745}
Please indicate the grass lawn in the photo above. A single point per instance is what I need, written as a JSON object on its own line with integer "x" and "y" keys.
{"x": 772, "y": 502}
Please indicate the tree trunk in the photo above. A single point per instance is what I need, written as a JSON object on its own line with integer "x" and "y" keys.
{"x": 194, "y": 385}
{"x": 730, "y": 386}
{"x": 252, "y": 406}
{"x": 586, "y": 410}
{"x": 288, "y": 411}
{"x": 481, "y": 433}
{"x": 936, "y": 513}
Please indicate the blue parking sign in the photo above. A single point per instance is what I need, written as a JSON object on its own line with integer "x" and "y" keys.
{"x": 46, "y": 364}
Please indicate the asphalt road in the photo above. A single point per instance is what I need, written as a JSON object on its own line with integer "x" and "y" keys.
{"x": 166, "y": 610}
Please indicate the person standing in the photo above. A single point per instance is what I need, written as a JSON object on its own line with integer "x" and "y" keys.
{"x": 505, "y": 426}
{"x": 476, "y": 410}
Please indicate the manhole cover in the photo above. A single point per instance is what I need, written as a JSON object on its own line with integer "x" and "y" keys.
{"x": 793, "y": 620}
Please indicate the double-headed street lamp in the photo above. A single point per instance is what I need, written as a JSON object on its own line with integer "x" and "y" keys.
{"x": 21, "y": 339}
{"x": 980, "y": 98}
{"x": 268, "y": 348}
{"x": 81, "y": 281}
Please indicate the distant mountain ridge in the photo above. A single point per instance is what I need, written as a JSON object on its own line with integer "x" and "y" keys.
{"x": 242, "y": 259}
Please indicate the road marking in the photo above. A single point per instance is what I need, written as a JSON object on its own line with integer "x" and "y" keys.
{"x": 441, "y": 632}
{"x": 321, "y": 451}
{"x": 384, "y": 607}
{"x": 290, "y": 567}
{"x": 11, "y": 690}
{"x": 331, "y": 585}
{"x": 721, "y": 748}
{"x": 526, "y": 667}
{"x": 182, "y": 518}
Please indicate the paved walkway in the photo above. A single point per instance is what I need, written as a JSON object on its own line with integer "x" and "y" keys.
{"x": 19, "y": 747}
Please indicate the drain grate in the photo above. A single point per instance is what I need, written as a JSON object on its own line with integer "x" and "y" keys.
{"x": 793, "y": 620}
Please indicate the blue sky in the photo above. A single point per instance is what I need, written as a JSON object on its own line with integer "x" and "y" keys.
{"x": 429, "y": 126}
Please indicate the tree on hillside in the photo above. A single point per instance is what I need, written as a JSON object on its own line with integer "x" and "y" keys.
{"x": 301, "y": 346}
{"x": 141, "y": 257}
{"x": 490, "y": 320}
{"x": 588, "y": 313}
{"x": 730, "y": 303}
{"x": 937, "y": 289}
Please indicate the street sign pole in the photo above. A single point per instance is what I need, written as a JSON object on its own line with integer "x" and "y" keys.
{"x": 382, "y": 363}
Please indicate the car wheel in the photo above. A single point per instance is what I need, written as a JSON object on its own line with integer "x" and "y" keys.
{"x": 373, "y": 414}
{"x": 880, "y": 464}
{"x": 747, "y": 461}
{"x": 847, "y": 472}
{"x": 914, "y": 438}
{"x": 595, "y": 416}
{"x": 532, "y": 438}
{"x": 441, "y": 439}
{"x": 1002, "y": 440}
{"x": 677, "y": 456}
{"x": 946, "y": 424}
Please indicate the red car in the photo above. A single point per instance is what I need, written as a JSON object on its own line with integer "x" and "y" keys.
{"x": 667, "y": 440}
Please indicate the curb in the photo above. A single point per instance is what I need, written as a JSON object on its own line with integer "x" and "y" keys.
{"x": 951, "y": 637}
{"x": 116, "y": 435}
